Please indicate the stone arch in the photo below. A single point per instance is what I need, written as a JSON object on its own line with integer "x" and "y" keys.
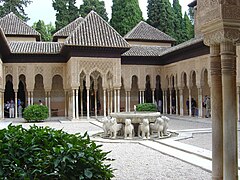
{"x": 122, "y": 95}
{"x": 158, "y": 90}
{"x": 38, "y": 91}
{"x": 184, "y": 86}
{"x": 57, "y": 96}
{"x": 148, "y": 90}
{"x": 22, "y": 90}
{"x": 205, "y": 87}
{"x": 9, "y": 92}
{"x": 194, "y": 90}
{"x": 134, "y": 91}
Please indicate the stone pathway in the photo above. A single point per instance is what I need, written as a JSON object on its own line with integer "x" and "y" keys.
{"x": 183, "y": 157}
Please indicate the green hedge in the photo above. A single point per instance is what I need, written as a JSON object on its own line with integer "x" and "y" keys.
{"x": 147, "y": 107}
{"x": 35, "y": 113}
{"x": 45, "y": 153}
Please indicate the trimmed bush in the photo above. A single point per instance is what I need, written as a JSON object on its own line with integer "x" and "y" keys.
{"x": 35, "y": 113}
{"x": 147, "y": 107}
{"x": 45, "y": 153}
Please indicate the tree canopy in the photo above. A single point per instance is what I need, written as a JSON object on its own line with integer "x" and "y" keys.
{"x": 66, "y": 12}
{"x": 188, "y": 32}
{"x": 46, "y": 30}
{"x": 178, "y": 21}
{"x": 125, "y": 15}
{"x": 15, "y": 6}
{"x": 95, "y": 5}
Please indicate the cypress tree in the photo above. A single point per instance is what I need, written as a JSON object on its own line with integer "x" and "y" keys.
{"x": 188, "y": 28}
{"x": 160, "y": 15}
{"x": 96, "y": 5}
{"x": 178, "y": 21}
{"x": 66, "y": 12}
{"x": 125, "y": 15}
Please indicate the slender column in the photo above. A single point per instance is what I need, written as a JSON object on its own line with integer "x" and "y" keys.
{"x": 217, "y": 121}
{"x": 77, "y": 104}
{"x": 95, "y": 101}
{"x": 228, "y": 62}
{"x": 238, "y": 102}
{"x": 31, "y": 97}
{"x": 49, "y": 103}
{"x": 164, "y": 103}
{"x": 129, "y": 101}
{"x": 190, "y": 103}
{"x": 2, "y": 93}
{"x": 104, "y": 103}
{"x": 140, "y": 97}
{"x": 88, "y": 116}
{"x": 73, "y": 104}
{"x": 170, "y": 101}
{"x": 111, "y": 101}
{"x": 176, "y": 101}
{"x": 115, "y": 100}
{"x": 181, "y": 102}
{"x": 118, "y": 97}
{"x": 16, "y": 105}
{"x": 81, "y": 98}
{"x": 46, "y": 98}
{"x": 65, "y": 107}
{"x": 200, "y": 102}
{"x": 143, "y": 95}
{"x": 153, "y": 96}
{"x": 1, "y": 105}
{"x": 109, "y": 109}
{"x": 126, "y": 101}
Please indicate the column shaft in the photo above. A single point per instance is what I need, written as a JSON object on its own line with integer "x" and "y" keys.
{"x": 104, "y": 103}
{"x": 88, "y": 111}
{"x": 129, "y": 101}
{"x": 126, "y": 101}
{"x": 200, "y": 102}
{"x": 77, "y": 104}
{"x": 176, "y": 105}
{"x": 181, "y": 102}
{"x": 16, "y": 106}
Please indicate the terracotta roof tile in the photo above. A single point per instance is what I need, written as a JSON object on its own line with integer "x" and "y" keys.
{"x": 68, "y": 29}
{"x": 96, "y": 32}
{"x": 13, "y": 25}
{"x": 145, "y": 32}
{"x": 35, "y": 47}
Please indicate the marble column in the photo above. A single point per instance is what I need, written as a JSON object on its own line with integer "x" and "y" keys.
{"x": 29, "y": 98}
{"x": 115, "y": 100}
{"x": 16, "y": 105}
{"x": 153, "y": 96}
{"x": 77, "y": 104}
{"x": 49, "y": 103}
{"x": 143, "y": 95}
{"x": 108, "y": 96}
{"x": 104, "y": 103}
{"x": 81, "y": 99}
{"x": 200, "y": 102}
{"x": 95, "y": 101}
{"x": 111, "y": 101}
{"x": 2, "y": 104}
{"x": 88, "y": 110}
{"x": 73, "y": 104}
{"x": 190, "y": 102}
{"x": 181, "y": 102}
{"x": 126, "y": 101}
{"x": 164, "y": 103}
{"x": 176, "y": 101}
{"x": 170, "y": 103}
{"x": 118, "y": 100}
{"x": 65, "y": 105}
{"x": 140, "y": 97}
{"x": 217, "y": 121}
{"x": 230, "y": 153}
{"x": 129, "y": 101}
{"x": 45, "y": 98}
{"x": 238, "y": 102}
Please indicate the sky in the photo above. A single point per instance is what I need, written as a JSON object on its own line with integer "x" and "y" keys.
{"x": 43, "y": 10}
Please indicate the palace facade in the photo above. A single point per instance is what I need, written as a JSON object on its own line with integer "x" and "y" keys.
{"x": 90, "y": 70}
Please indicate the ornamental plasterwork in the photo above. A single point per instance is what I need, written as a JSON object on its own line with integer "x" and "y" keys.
{"x": 22, "y": 70}
{"x": 57, "y": 70}
{"x": 8, "y": 70}
{"x": 38, "y": 70}
{"x": 231, "y": 12}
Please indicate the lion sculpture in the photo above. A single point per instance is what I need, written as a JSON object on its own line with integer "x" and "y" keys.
{"x": 157, "y": 126}
{"x": 143, "y": 128}
{"x": 106, "y": 126}
{"x": 129, "y": 129}
{"x": 165, "y": 125}
{"x": 114, "y": 128}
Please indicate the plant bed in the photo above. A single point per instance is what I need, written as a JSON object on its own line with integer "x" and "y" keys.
{"x": 148, "y": 107}
{"x": 45, "y": 153}
{"x": 35, "y": 113}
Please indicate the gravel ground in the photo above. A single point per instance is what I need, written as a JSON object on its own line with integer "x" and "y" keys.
{"x": 137, "y": 162}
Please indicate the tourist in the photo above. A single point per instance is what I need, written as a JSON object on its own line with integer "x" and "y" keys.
{"x": 160, "y": 105}
{"x": 193, "y": 106}
{"x": 40, "y": 102}
{"x": 11, "y": 109}
{"x": 187, "y": 103}
{"x": 173, "y": 105}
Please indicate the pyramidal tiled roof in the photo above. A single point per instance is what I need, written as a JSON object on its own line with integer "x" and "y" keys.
{"x": 68, "y": 29}
{"x": 143, "y": 31}
{"x": 13, "y": 25}
{"x": 25, "y": 47}
{"x": 96, "y": 32}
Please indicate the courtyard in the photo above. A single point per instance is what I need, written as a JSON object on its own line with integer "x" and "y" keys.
{"x": 186, "y": 156}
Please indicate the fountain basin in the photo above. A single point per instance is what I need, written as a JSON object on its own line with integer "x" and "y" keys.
{"x": 136, "y": 117}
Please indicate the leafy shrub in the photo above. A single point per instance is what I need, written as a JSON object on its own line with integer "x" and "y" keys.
{"x": 45, "y": 153}
{"x": 35, "y": 113}
{"x": 147, "y": 107}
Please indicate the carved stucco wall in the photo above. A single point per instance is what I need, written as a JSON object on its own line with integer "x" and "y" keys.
{"x": 48, "y": 71}
{"x": 86, "y": 65}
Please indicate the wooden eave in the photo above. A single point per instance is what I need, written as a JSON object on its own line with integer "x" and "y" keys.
{"x": 192, "y": 51}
